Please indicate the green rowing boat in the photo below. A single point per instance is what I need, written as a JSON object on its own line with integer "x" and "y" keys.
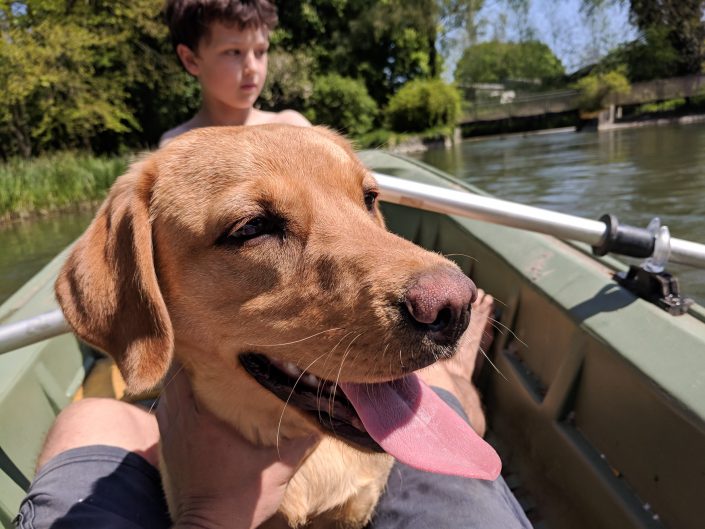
{"x": 596, "y": 405}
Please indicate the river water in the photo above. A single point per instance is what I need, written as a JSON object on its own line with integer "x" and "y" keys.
{"x": 635, "y": 174}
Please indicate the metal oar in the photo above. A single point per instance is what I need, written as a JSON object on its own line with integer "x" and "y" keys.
{"x": 452, "y": 202}
{"x": 32, "y": 330}
{"x": 607, "y": 236}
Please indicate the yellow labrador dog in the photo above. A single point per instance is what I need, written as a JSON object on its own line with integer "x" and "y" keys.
{"x": 257, "y": 258}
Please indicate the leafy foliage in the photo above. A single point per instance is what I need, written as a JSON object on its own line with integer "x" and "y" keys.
{"x": 681, "y": 23}
{"x": 423, "y": 104}
{"x": 651, "y": 56}
{"x": 671, "y": 40}
{"x": 95, "y": 75}
{"x": 664, "y": 106}
{"x": 597, "y": 87}
{"x": 289, "y": 82}
{"x": 383, "y": 42}
{"x": 495, "y": 62}
{"x": 343, "y": 104}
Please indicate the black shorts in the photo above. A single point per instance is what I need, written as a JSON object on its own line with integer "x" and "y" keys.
{"x": 97, "y": 487}
{"x": 105, "y": 487}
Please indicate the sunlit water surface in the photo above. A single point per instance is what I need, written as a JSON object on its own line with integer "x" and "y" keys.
{"x": 636, "y": 174}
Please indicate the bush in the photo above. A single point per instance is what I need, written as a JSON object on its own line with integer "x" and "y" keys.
{"x": 343, "y": 104}
{"x": 664, "y": 106}
{"x": 596, "y": 87}
{"x": 423, "y": 104}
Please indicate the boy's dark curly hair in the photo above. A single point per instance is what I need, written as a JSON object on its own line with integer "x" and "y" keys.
{"x": 189, "y": 20}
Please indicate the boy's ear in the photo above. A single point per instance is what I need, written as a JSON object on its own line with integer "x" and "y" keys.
{"x": 188, "y": 59}
{"x": 108, "y": 286}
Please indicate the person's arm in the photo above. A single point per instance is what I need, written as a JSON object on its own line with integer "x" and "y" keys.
{"x": 216, "y": 477}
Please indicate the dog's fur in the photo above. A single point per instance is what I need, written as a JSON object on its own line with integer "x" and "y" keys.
{"x": 156, "y": 278}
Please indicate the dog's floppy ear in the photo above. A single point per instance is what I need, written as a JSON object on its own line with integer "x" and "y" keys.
{"x": 108, "y": 287}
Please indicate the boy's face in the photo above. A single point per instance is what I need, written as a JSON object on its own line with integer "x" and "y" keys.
{"x": 231, "y": 65}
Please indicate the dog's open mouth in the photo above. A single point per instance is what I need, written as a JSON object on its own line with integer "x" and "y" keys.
{"x": 403, "y": 417}
{"x": 316, "y": 397}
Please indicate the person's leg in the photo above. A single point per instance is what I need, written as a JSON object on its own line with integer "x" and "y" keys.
{"x": 414, "y": 499}
{"x": 476, "y": 341}
{"x": 102, "y": 422}
{"x": 97, "y": 469}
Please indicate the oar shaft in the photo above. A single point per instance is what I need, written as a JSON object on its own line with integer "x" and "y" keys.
{"x": 32, "y": 330}
{"x": 506, "y": 213}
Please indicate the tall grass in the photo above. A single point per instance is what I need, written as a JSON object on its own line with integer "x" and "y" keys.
{"x": 57, "y": 181}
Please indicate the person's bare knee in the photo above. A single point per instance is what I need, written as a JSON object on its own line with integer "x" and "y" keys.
{"x": 102, "y": 422}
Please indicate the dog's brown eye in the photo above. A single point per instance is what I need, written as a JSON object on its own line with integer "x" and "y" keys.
{"x": 252, "y": 229}
{"x": 370, "y": 199}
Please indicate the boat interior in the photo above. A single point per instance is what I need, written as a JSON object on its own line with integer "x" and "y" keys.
{"x": 595, "y": 398}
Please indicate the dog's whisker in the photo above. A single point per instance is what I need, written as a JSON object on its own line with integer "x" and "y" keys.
{"x": 500, "y": 301}
{"x": 331, "y": 400}
{"x": 492, "y": 363}
{"x": 497, "y": 322}
{"x": 296, "y": 341}
{"x": 340, "y": 370}
{"x": 171, "y": 379}
{"x": 325, "y": 373}
{"x": 286, "y": 403}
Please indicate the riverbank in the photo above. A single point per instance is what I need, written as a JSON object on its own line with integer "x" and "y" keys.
{"x": 59, "y": 182}
{"x": 687, "y": 119}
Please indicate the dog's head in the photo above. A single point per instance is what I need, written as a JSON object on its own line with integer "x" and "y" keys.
{"x": 258, "y": 257}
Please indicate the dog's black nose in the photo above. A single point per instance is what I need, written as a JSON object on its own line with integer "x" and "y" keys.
{"x": 439, "y": 303}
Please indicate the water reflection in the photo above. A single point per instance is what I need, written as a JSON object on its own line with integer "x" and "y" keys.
{"x": 28, "y": 245}
{"x": 634, "y": 173}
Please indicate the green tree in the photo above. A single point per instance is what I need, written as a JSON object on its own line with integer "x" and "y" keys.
{"x": 672, "y": 36}
{"x": 423, "y": 104}
{"x": 86, "y": 74}
{"x": 289, "y": 80}
{"x": 495, "y": 62}
{"x": 651, "y": 56}
{"x": 383, "y": 42}
{"x": 343, "y": 104}
{"x": 597, "y": 87}
{"x": 681, "y": 22}
{"x": 459, "y": 15}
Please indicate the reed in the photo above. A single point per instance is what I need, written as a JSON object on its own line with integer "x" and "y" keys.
{"x": 54, "y": 182}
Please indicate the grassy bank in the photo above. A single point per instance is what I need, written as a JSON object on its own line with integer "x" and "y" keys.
{"x": 387, "y": 139}
{"x": 55, "y": 182}
{"x": 67, "y": 180}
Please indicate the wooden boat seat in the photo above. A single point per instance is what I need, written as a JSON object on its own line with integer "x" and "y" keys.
{"x": 103, "y": 380}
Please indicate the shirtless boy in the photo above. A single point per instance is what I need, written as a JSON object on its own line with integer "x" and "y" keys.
{"x": 224, "y": 45}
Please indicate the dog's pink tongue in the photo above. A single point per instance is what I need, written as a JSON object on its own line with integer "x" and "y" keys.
{"x": 413, "y": 424}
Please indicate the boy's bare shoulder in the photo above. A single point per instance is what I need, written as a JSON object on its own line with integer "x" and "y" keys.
{"x": 288, "y": 117}
{"x": 292, "y": 117}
